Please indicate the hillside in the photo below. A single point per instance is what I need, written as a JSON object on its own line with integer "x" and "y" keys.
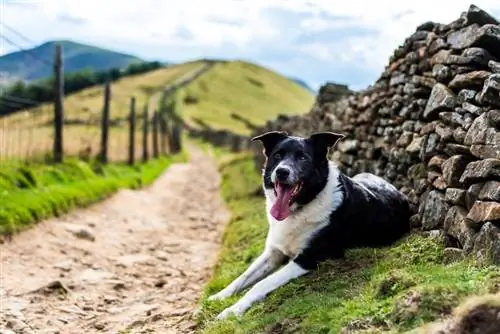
{"x": 250, "y": 91}
{"x": 76, "y": 56}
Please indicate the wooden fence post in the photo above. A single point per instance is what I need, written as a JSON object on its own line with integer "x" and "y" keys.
{"x": 103, "y": 156}
{"x": 162, "y": 123}
{"x": 176, "y": 138}
{"x": 131, "y": 133}
{"x": 145, "y": 130}
{"x": 155, "y": 134}
{"x": 58, "y": 105}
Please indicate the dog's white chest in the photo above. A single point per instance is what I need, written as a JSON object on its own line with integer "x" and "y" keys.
{"x": 292, "y": 235}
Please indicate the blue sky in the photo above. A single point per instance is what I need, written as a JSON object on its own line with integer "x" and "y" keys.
{"x": 324, "y": 40}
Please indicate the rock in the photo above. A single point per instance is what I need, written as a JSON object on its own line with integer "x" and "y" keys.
{"x": 455, "y": 225}
{"x": 7, "y": 331}
{"x": 486, "y": 151}
{"x": 441, "y": 72}
{"x": 439, "y": 183}
{"x": 494, "y": 118}
{"x": 444, "y": 132}
{"x": 455, "y": 196}
{"x": 487, "y": 243}
{"x": 473, "y": 109}
{"x": 405, "y": 139}
{"x": 480, "y": 171}
{"x": 64, "y": 265}
{"x": 459, "y": 135}
{"x": 133, "y": 259}
{"x": 476, "y": 57}
{"x": 466, "y": 95}
{"x": 494, "y": 66}
{"x": 437, "y": 45}
{"x": 452, "y": 149}
{"x": 472, "y": 194}
{"x": 491, "y": 91}
{"x": 469, "y": 80}
{"x": 479, "y": 16}
{"x": 490, "y": 191}
{"x": 476, "y": 133}
{"x": 434, "y": 212}
{"x": 80, "y": 231}
{"x": 162, "y": 256}
{"x": 348, "y": 146}
{"x": 415, "y": 145}
{"x": 441, "y": 99}
{"x": 430, "y": 146}
{"x": 482, "y": 212}
{"x": 453, "y": 169}
{"x": 485, "y": 37}
{"x": 452, "y": 255}
{"x": 436, "y": 162}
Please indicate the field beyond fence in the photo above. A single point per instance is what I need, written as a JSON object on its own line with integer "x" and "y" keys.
{"x": 124, "y": 121}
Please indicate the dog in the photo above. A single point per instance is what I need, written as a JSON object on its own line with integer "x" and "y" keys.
{"x": 315, "y": 212}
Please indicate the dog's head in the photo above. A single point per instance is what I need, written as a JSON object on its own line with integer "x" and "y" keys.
{"x": 296, "y": 168}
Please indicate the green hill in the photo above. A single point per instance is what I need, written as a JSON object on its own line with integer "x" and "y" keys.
{"x": 28, "y": 65}
{"x": 254, "y": 93}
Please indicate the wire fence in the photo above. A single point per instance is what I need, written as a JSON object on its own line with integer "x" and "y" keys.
{"x": 28, "y": 135}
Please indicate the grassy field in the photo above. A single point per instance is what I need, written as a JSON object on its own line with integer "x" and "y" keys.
{"x": 245, "y": 89}
{"x": 388, "y": 290}
{"x": 29, "y": 193}
{"x": 30, "y": 132}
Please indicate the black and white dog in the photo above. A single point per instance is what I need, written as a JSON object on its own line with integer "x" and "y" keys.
{"x": 315, "y": 213}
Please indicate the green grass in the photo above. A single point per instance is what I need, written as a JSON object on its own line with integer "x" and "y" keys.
{"x": 37, "y": 191}
{"x": 246, "y": 89}
{"x": 393, "y": 289}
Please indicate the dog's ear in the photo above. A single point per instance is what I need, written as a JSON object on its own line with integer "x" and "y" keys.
{"x": 322, "y": 141}
{"x": 270, "y": 139}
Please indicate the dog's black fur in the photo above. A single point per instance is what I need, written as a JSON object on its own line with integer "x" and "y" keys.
{"x": 370, "y": 214}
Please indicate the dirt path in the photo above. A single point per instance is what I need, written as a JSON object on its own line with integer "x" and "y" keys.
{"x": 143, "y": 272}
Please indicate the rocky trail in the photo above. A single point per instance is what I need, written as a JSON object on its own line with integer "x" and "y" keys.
{"x": 134, "y": 263}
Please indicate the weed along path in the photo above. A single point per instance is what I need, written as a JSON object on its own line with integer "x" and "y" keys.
{"x": 135, "y": 263}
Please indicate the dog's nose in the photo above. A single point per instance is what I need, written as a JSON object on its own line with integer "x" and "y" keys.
{"x": 282, "y": 174}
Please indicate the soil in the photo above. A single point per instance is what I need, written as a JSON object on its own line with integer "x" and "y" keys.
{"x": 134, "y": 263}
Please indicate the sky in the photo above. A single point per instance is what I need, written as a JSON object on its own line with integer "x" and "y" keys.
{"x": 347, "y": 41}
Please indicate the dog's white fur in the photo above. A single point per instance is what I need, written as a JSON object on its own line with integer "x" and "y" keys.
{"x": 284, "y": 239}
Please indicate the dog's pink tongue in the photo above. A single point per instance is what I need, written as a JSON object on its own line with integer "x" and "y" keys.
{"x": 281, "y": 209}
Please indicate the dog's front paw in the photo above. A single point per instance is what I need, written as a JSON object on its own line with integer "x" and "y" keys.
{"x": 232, "y": 310}
{"x": 219, "y": 296}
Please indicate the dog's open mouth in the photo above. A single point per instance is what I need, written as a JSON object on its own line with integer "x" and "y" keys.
{"x": 285, "y": 195}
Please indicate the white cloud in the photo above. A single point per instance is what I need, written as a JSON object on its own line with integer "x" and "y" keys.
{"x": 248, "y": 28}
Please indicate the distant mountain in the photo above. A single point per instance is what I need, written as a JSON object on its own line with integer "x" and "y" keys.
{"x": 29, "y": 65}
{"x": 303, "y": 84}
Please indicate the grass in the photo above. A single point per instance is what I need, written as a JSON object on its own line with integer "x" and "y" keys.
{"x": 393, "y": 289}
{"x": 245, "y": 89}
{"x": 29, "y": 193}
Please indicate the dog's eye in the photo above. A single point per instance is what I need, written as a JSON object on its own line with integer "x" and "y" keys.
{"x": 277, "y": 155}
{"x": 301, "y": 156}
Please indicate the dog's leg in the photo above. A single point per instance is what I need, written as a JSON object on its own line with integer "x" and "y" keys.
{"x": 260, "y": 290}
{"x": 262, "y": 266}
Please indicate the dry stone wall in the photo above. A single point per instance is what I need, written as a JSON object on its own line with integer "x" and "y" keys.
{"x": 430, "y": 125}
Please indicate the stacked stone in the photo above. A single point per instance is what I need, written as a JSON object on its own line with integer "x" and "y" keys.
{"x": 431, "y": 126}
